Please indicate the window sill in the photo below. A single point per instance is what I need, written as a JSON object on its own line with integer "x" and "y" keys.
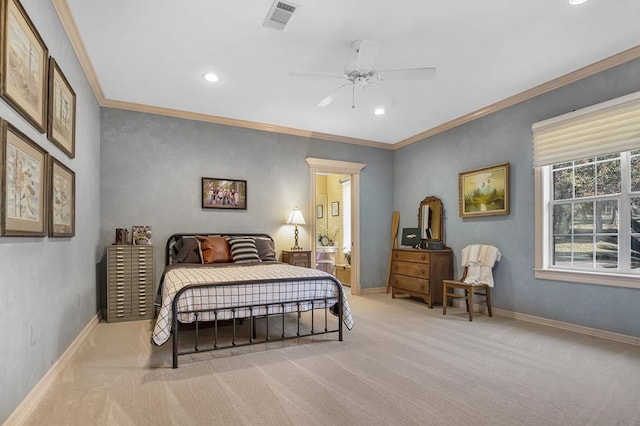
{"x": 597, "y": 278}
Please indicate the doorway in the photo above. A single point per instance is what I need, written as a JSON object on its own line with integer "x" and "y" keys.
{"x": 333, "y": 225}
{"x": 340, "y": 173}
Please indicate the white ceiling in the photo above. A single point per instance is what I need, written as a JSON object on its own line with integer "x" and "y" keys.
{"x": 154, "y": 53}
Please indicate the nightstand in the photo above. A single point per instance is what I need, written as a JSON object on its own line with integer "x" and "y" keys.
{"x": 297, "y": 257}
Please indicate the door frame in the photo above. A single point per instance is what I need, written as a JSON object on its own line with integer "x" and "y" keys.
{"x": 320, "y": 165}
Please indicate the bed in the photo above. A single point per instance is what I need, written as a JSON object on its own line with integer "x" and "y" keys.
{"x": 232, "y": 283}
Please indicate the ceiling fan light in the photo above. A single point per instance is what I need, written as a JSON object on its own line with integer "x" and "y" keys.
{"x": 211, "y": 77}
{"x": 379, "y": 111}
{"x": 576, "y": 2}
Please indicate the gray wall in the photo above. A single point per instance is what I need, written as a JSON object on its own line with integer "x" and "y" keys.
{"x": 50, "y": 284}
{"x": 152, "y": 168}
{"x": 431, "y": 166}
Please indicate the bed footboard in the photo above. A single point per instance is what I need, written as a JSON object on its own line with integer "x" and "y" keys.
{"x": 267, "y": 312}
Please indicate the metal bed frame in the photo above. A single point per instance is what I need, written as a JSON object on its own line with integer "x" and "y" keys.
{"x": 323, "y": 303}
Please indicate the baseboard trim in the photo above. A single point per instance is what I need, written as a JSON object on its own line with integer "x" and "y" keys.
{"x": 373, "y": 290}
{"x": 623, "y": 338}
{"x": 25, "y": 408}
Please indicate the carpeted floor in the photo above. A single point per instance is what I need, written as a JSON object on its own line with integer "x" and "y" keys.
{"x": 402, "y": 364}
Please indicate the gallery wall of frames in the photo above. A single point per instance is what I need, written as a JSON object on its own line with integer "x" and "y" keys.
{"x": 37, "y": 190}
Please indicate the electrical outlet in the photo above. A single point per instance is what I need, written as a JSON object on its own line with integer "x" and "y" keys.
{"x": 33, "y": 335}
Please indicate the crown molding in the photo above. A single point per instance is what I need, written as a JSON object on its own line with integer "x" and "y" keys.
{"x": 71, "y": 28}
{"x": 69, "y": 24}
{"x": 572, "y": 77}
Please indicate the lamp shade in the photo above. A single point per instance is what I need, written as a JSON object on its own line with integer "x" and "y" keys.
{"x": 295, "y": 217}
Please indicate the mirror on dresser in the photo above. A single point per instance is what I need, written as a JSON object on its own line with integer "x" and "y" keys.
{"x": 430, "y": 221}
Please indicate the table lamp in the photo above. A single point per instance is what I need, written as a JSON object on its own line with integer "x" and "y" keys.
{"x": 296, "y": 218}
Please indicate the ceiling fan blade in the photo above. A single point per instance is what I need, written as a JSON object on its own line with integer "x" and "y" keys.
{"x": 316, "y": 74}
{"x": 408, "y": 74}
{"x": 329, "y": 99}
{"x": 367, "y": 52}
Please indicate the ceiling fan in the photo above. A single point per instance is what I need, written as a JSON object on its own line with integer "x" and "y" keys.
{"x": 361, "y": 73}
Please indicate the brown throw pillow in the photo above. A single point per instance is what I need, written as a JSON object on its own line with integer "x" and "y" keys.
{"x": 215, "y": 249}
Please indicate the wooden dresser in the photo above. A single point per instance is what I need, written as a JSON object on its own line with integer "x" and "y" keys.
{"x": 129, "y": 283}
{"x": 419, "y": 273}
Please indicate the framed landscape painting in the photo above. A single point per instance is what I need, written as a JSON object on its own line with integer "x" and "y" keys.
{"x": 24, "y": 166}
{"x": 61, "y": 117}
{"x": 484, "y": 192}
{"x": 23, "y": 64}
{"x": 62, "y": 199}
{"x": 228, "y": 194}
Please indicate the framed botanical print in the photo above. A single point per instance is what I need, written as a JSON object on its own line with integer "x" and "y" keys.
{"x": 24, "y": 167}
{"x": 23, "y": 64}
{"x": 62, "y": 199}
{"x": 61, "y": 116}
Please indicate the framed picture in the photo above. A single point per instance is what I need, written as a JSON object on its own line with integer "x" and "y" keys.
{"x": 335, "y": 208}
{"x": 484, "y": 192}
{"x": 23, "y": 166}
{"x": 61, "y": 116}
{"x": 62, "y": 199}
{"x": 141, "y": 235}
{"x": 23, "y": 64}
{"x": 230, "y": 194}
{"x": 319, "y": 211}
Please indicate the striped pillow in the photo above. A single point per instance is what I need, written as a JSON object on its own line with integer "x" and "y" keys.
{"x": 243, "y": 250}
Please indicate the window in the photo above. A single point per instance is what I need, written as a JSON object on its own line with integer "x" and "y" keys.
{"x": 595, "y": 213}
{"x": 587, "y": 195}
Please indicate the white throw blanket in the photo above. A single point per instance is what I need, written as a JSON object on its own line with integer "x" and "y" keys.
{"x": 479, "y": 260}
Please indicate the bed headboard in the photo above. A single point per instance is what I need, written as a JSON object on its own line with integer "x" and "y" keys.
{"x": 171, "y": 241}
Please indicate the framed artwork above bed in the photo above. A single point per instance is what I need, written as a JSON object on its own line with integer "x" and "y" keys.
{"x": 230, "y": 194}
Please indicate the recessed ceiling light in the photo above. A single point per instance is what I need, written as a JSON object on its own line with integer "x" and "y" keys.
{"x": 576, "y": 2}
{"x": 211, "y": 77}
{"x": 379, "y": 111}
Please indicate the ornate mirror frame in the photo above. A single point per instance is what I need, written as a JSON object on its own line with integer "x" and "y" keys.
{"x": 431, "y": 212}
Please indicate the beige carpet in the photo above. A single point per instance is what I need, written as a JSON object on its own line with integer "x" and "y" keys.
{"x": 402, "y": 364}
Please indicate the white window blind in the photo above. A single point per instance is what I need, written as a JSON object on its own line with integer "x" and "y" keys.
{"x": 608, "y": 127}
{"x": 346, "y": 213}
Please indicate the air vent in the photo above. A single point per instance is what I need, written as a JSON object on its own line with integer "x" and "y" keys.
{"x": 280, "y": 15}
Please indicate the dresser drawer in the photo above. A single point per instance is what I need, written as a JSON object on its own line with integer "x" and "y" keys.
{"x": 413, "y": 269}
{"x": 411, "y": 255}
{"x": 417, "y": 285}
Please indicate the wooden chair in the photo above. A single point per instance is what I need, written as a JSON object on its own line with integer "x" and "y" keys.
{"x": 469, "y": 290}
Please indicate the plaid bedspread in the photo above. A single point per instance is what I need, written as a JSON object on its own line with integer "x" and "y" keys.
{"x": 225, "y": 296}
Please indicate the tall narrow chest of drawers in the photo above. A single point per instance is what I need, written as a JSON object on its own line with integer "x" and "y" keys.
{"x": 130, "y": 279}
{"x": 419, "y": 273}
